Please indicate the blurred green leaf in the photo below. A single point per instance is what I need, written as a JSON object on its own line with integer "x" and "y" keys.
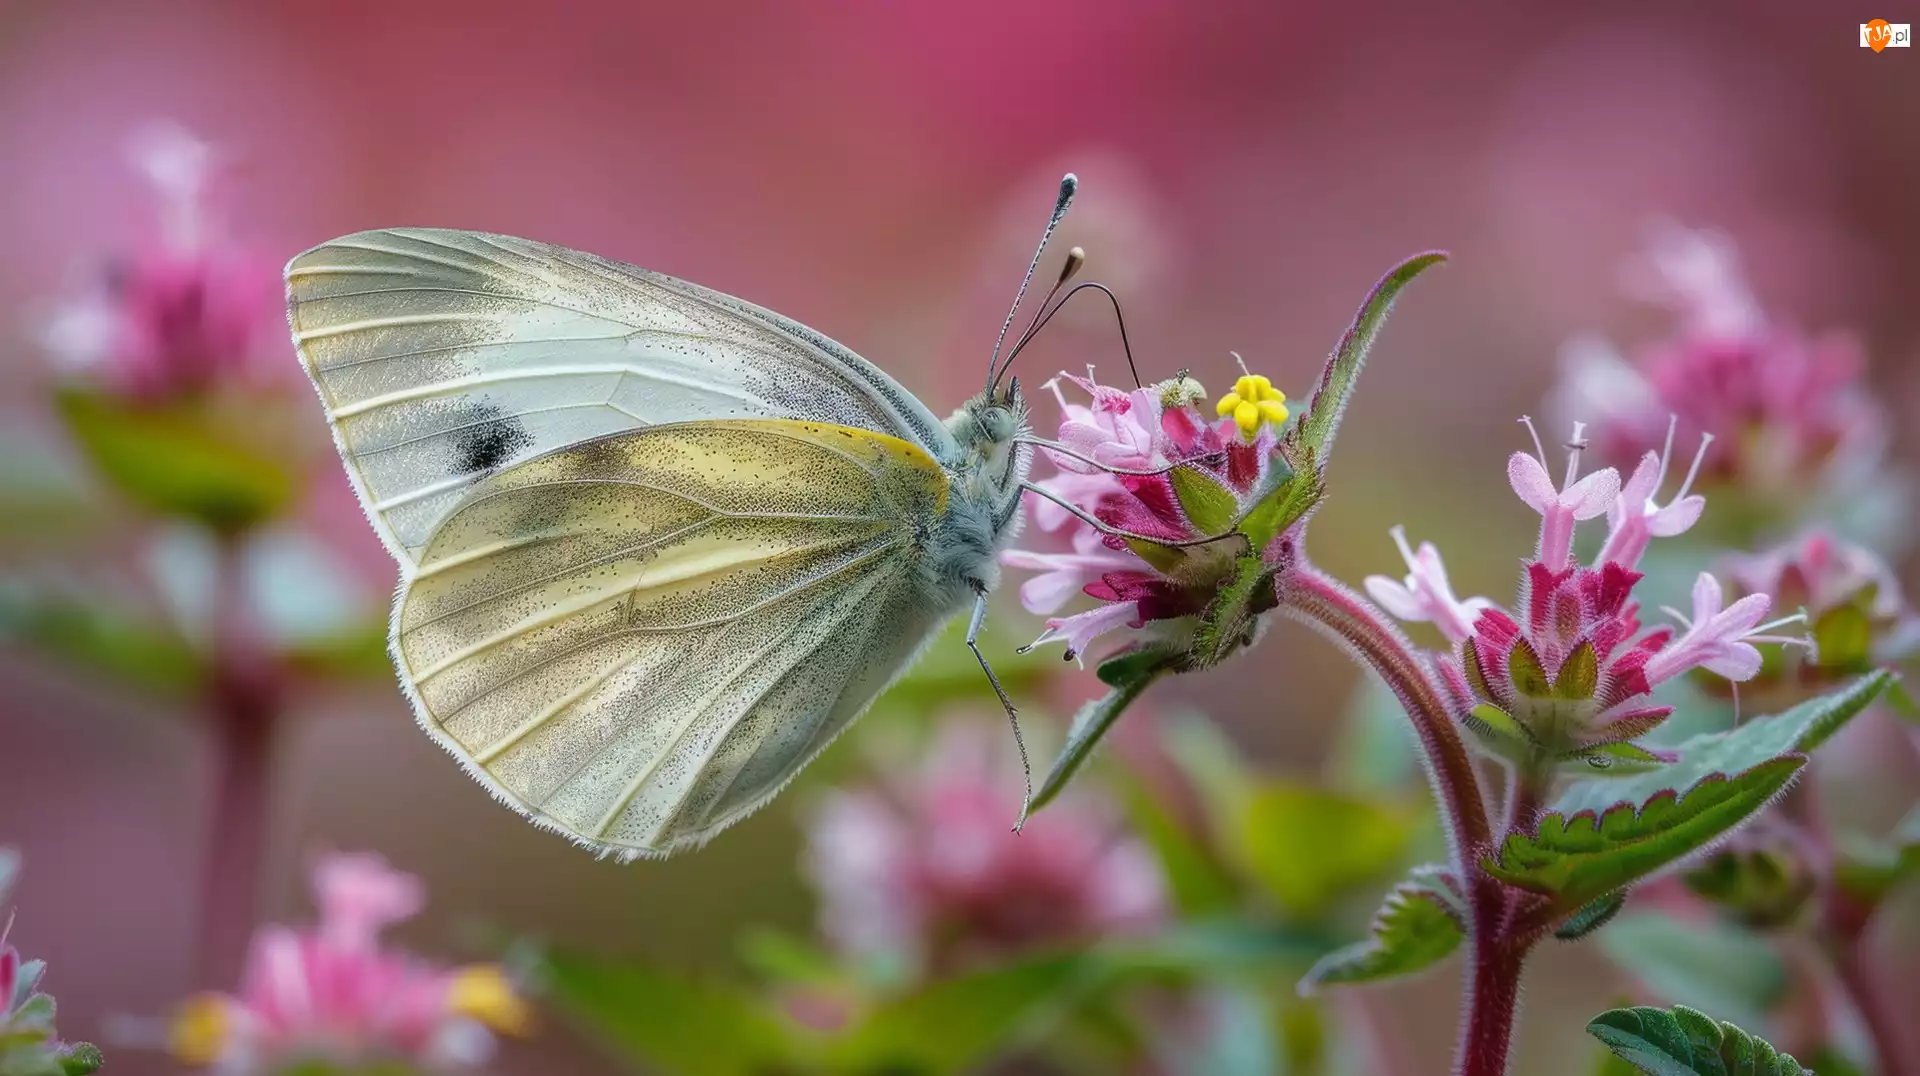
{"x": 99, "y": 638}
{"x": 1237, "y": 1038}
{"x": 177, "y": 461}
{"x": 1581, "y": 858}
{"x": 1801, "y": 730}
{"x": 1212, "y": 948}
{"x": 1685, "y": 1042}
{"x": 1761, "y": 887}
{"x": 359, "y": 654}
{"x": 955, "y": 1024}
{"x": 1128, "y": 673}
{"x": 1316, "y": 428}
{"x": 1416, "y": 928}
{"x": 1309, "y": 847}
{"x": 1706, "y": 963}
{"x": 44, "y": 501}
{"x": 784, "y": 958}
{"x": 1375, "y": 754}
{"x": 1198, "y": 882}
{"x": 667, "y": 1022}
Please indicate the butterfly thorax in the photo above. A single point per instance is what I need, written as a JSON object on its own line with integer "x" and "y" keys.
{"x": 986, "y": 471}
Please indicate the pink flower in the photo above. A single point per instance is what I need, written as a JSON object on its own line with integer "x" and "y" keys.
{"x": 184, "y": 312}
{"x": 1852, "y": 599}
{"x": 1567, "y": 676}
{"x": 1426, "y": 595}
{"x": 1795, "y": 413}
{"x": 1115, "y": 456}
{"x": 924, "y": 867}
{"x": 332, "y": 993}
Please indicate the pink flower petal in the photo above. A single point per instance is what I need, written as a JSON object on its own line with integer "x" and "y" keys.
{"x": 1530, "y": 482}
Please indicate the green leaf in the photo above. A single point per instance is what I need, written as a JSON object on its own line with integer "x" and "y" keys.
{"x": 1595, "y": 915}
{"x": 1376, "y": 753}
{"x": 1196, "y": 879}
{"x": 1227, "y": 622}
{"x": 955, "y": 1024}
{"x": 177, "y": 461}
{"x": 1580, "y": 858}
{"x": 1686, "y": 1042}
{"x": 1291, "y": 494}
{"x": 1128, "y": 674}
{"x": 1799, "y": 730}
{"x": 1309, "y": 847}
{"x": 99, "y": 638}
{"x": 666, "y": 1022}
{"x": 1316, "y": 428}
{"x": 1415, "y": 929}
{"x": 81, "y": 1059}
{"x": 1708, "y": 963}
{"x": 1209, "y": 506}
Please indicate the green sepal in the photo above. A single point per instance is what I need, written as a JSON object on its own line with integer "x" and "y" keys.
{"x": 1760, "y": 887}
{"x": 1228, "y": 620}
{"x": 1580, "y": 858}
{"x": 1596, "y": 914}
{"x": 1416, "y": 928}
{"x": 1499, "y": 733}
{"x": 1686, "y": 1042}
{"x": 1524, "y": 669}
{"x": 1291, "y": 493}
{"x": 1315, "y": 429}
{"x": 1126, "y": 674}
{"x": 1843, "y": 640}
{"x": 1209, "y": 505}
{"x": 1579, "y": 675}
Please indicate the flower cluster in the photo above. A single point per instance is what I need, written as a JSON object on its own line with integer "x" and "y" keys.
{"x": 1792, "y": 413}
{"x": 1566, "y": 675}
{"x": 184, "y": 312}
{"x": 1854, "y": 606}
{"x": 332, "y": 993}
{"x": 1137, "y": 465}
{"x": 921, "y": 869}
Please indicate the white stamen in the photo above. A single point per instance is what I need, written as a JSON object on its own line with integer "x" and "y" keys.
{"x": 1666, "y": 453}
{"x": 1054, "y": 384}
{"x": 1699, "y": 455}
{"x": 1242, "y": 362}
{"x": 1538, "y": 450}
{"x": 1400, "y": 539}
{"x": 1573, "y": 455}
{"x": 1797, "y": 618}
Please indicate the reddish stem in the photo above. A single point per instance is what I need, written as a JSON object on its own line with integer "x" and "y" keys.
{"x": 1492, "y": 1001}
{"x": 243, "y": 695}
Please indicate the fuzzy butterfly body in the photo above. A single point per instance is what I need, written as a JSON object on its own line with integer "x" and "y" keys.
{"x": 658, "y": 546}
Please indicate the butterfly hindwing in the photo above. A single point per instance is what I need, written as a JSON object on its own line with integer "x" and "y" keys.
{"x": 445, "y": 356}
{"x": 639, "y": 639}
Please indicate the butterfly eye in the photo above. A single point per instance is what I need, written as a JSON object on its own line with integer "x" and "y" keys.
{"x": 998, "y": 422}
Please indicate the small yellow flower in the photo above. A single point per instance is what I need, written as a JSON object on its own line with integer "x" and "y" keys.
{"x": 1252, "y": 402}
{"x": 200, "y": 1030}
{"x": 483, "y": 992}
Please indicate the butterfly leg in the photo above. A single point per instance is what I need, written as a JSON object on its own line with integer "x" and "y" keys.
{"x": 1013, "y": 715}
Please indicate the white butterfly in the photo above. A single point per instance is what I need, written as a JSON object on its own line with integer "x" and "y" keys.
{"x": 657, "y": 546}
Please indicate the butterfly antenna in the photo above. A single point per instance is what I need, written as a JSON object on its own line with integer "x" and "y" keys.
{"x": 1069, "y": 184}
{"x": 1076, "y": 258}
{"x": 1125, "y": 344}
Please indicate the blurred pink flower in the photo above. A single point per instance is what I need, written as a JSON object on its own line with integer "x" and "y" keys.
{"x": 184, "y": 311}
{"x": 1851, "y": 597}
{"x": 1115, "y": 456}
{"x": 924, "y": 866}
{"x": 1792, "y": 413}
{"x": 332, "y": 993}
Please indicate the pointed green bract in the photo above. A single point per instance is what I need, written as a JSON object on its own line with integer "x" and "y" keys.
{"x": 1127, "y": 674}
{"x": 1415, "y": 929}
{"x": 1580, "y": 858}
{"x": 1685, "y": 1042}
{"x": 1316, "y": 428}
{"x": 1799, "y": 730}
{"x": 1290, "y": 495}
{"x": 1209, "y": 506}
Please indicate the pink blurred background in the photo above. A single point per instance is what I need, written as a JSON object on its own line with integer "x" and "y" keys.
{"x": 879, "y": 171}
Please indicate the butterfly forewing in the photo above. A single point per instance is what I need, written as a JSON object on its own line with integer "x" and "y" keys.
{"x": 446, "y": 356}
{"x": 639, "y": 639}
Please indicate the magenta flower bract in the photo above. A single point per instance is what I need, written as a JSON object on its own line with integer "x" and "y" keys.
{"x": 184, "y": 312}
{"x": 922, "y": 867}
{"x": 332, "y": 993}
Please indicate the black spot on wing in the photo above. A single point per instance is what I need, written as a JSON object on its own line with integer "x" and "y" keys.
{"x": 489, "y": 442}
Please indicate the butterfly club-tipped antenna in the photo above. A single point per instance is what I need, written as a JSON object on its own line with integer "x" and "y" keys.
{"x": 1069, "y": 185}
